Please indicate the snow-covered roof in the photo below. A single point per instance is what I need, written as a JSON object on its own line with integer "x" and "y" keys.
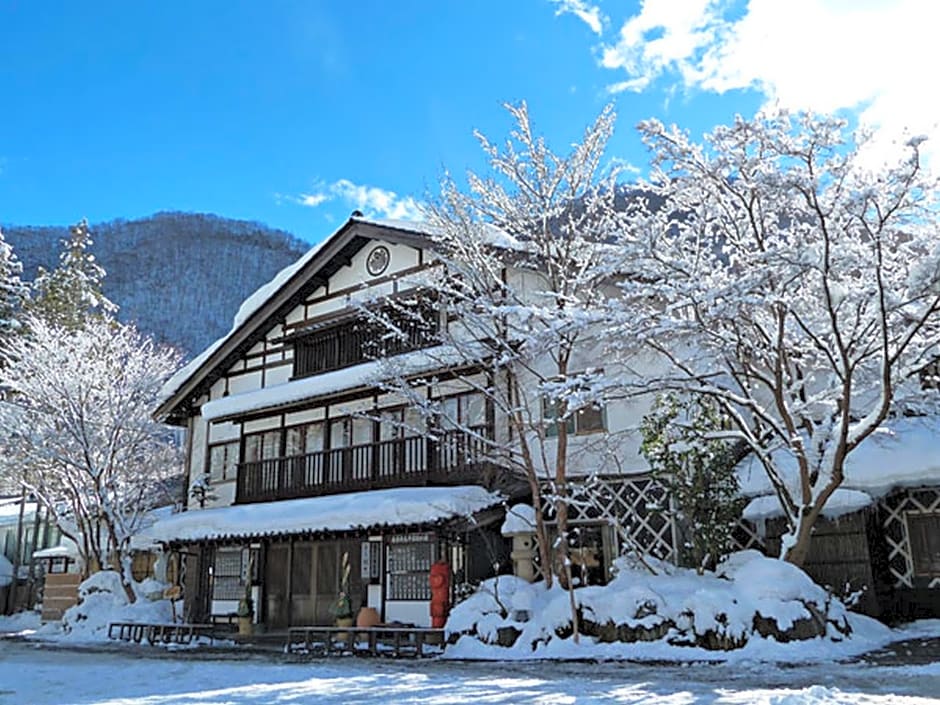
{"x": 400, "y": 506}
{"x": 66, "y": 549}
{"x": 268, "y": 291}
{"x": 902, "y": 453}
{"x": 10, "y": 510}
{"x": 365, "y": 374}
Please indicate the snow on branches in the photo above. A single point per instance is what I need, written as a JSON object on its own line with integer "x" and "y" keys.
{"x": 523, "y": 257}
{"x": 77, "y": 416}
{"x": 791, "y": 285}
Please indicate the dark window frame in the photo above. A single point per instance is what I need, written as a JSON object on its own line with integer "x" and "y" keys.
{"x": 925, "y": 558}
{"x": 550, "y": 419}
{"x": 229, "y": 470}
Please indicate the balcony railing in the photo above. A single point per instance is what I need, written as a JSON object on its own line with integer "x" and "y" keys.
{"x": 355, "y": 342}
{"x": 451, "y": 457}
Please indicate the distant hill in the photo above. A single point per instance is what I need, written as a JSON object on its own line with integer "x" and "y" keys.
{"x": 179, "y": 276}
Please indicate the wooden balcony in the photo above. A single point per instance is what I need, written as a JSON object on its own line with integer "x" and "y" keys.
{"x": 452, "y": 457}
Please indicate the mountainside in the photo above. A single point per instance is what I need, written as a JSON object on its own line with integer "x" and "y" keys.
{"x": 179, "y": 276}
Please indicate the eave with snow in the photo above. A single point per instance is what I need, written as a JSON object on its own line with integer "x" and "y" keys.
{"x": 879, "y": 534}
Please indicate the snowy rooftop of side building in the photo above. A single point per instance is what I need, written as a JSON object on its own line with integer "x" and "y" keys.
{"x": 10, "y": 510}
{"x": 901, "y": 453}
{"x": 402, "y": 506}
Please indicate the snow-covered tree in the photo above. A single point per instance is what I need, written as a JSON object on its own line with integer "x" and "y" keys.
{"x": 523, "y": 273}
{"x": 70, "y": 293}
{"x": 78, "y": 414}
{"x": 781, "y": 276}
{"x": 12, "y": 290}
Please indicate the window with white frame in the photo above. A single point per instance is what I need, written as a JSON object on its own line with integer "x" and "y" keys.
{"x": 223, "y": 460}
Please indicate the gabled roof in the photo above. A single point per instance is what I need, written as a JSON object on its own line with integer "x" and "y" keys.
{"x": 274, "y": 301}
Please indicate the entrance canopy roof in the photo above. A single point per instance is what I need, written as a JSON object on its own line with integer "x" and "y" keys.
{"x": 397, "y": 507}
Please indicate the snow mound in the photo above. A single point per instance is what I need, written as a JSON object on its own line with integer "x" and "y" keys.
{"x": 758, "y": 607}
{"x": 20, "y": 623}
{"x": 102, "y": 600}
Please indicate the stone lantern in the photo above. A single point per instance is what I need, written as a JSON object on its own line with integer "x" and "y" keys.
{"x": 520, "y": 525}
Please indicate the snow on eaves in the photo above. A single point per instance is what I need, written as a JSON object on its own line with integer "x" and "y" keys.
{"x": 400, "y": 506}
{"x": 841, "y": 502}
{"x": 245, "y": 311}
{"x": 366, "y": 374}
{"x": 901, "y": 453}
{"x": 265, "y": 292}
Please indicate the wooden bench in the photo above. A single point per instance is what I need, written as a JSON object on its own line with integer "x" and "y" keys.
{"x": 397, "y": 641}
{"x": 159, "y": 633}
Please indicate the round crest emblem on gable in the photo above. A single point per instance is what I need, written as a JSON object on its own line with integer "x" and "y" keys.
{"x": 377, "y": 261}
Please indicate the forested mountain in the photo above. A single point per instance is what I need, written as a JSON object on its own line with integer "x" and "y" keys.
{"x": 179, "y": 276}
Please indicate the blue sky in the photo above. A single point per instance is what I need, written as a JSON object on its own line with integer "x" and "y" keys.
{"x": 252, "y": 109}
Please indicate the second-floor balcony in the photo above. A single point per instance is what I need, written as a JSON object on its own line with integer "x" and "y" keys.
{"x": 449, "y": 457}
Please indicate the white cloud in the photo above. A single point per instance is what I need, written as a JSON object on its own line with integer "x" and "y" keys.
{"x": 313, "y": 199}
{"x": 373, "y": 201}
{"x": 589, "y": 14}
{"x": 874, "y": 57}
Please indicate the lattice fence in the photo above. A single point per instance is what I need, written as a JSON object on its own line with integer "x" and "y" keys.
{"x": 895, "y": 508}
{"x": 639, "y": 507}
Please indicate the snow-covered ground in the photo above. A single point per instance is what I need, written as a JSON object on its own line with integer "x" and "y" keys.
{"x": 40, "y": 674}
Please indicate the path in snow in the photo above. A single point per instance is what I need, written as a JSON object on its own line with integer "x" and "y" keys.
{"x": 35, "y": 674}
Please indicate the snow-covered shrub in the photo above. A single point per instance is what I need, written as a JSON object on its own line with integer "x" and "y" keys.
{"x": 749, "y": 598}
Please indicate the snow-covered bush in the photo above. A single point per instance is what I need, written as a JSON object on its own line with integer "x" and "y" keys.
{"x": 749, "y": 598}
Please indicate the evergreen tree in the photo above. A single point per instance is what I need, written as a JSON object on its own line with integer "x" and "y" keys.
{"x": 72, "y": 292}
{"x": 13, "y": 292}
{"x": 697, "y": 471}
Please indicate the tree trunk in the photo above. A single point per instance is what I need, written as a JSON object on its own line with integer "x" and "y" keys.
{"x": 799, "y": 550}
{"x": 11, "y": 595}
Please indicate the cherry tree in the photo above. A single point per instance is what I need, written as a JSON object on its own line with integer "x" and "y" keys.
{"x": 77, "y": 414}
{"x": 779, "y": 275}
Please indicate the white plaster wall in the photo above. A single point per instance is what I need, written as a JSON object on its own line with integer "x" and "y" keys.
{"x": 245, "y": 382}
{"x": 197, "y": 458}
{"x": 225, "y": 431}
{"x": 262, "y": 424}
{"x": 374, "y": 597}
{"x": 277, "y": 375}
{"x": 299, "y": 417}
{"x": 418, "y": 613}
